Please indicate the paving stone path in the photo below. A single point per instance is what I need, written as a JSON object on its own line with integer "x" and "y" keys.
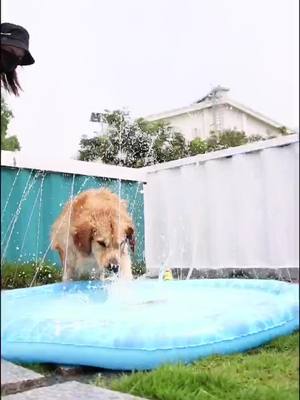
{"x": 16, "y": 379}
{"x": 70, "y": 391}
{"x": 19, "y": 383}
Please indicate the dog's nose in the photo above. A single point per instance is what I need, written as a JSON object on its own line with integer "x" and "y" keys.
{"x": 113, "y": 261}
{"x": 113, "y": 268}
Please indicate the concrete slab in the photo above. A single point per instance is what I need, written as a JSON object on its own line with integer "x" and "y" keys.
{"x": 71, "y": 391}
{"x": 15, "y": 378}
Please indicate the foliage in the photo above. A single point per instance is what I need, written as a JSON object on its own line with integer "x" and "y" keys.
{"x": 229, "y": 138}
{"x": 283, "y": 130}
{"x": 197, "y": 146}
{"x": 6, "y": 115}
{"x": 140, "y": 143}
{"x": 255, "y": 138}
{"x": 15, "y": 276}
{"x": 133, "y": 143}
{"x": 10, "y": 143}
{"x": 92, "y": 149}
{"x": 239, "y": 274}
{"x": 270, "y": 372}
{"x": 221, "y": 140}
{"x": 225, "y": 139}
{"x": 138, "y": 268}
{"x": 169, "y": 146}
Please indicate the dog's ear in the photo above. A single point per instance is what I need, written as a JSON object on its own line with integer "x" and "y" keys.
{"x": 130, "y": 237}
{"x": 83, "y": 238}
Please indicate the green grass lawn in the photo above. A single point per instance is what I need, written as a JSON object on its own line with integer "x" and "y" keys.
{"x": 268, "y": 373}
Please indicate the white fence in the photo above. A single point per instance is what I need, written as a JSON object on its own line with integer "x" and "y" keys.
{"x": 233, "y": 208}
{"x": 52, "y": 164}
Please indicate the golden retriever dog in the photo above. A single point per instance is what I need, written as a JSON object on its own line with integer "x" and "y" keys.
{"x": 94, "y": 233}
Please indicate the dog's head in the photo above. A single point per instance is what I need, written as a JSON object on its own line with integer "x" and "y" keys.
{"x": 106, "y": 235}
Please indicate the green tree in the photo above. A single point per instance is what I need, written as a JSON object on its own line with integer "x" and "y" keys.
{"x": 10, "y": 143}
{"x": 283, "y": 130}
{"x": 133, "y": 143}
{"x": 231, "y": 138}
{"x": 169, "y": 146}
{"x": 225, "y": 139}
{"x": 213, "y": 142}
{"x": 140, "y": 143}
{"x": 221, "y": 140}
{"x": 255, "y": 138}
{"x": 197, "y": 146}
{"x": 91, "y": 149}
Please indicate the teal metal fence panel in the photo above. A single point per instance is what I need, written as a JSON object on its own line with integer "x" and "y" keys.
{"x": 31, "y": 200}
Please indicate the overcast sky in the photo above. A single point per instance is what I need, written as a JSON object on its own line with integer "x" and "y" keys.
{"x": 148, "y": 56}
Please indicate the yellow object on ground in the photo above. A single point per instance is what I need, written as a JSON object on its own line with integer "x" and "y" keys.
{"x": 168, "y": 275}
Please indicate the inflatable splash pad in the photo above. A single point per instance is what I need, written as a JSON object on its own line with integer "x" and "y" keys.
{"x": 145, "y": 323}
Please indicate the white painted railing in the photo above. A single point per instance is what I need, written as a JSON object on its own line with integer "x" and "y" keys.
{"x": 233, "y": 208}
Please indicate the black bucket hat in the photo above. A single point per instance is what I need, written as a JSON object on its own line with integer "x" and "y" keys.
{"x": 15, "y": 35}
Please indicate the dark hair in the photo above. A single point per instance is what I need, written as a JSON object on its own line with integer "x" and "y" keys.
{"x": 10, "y": 82}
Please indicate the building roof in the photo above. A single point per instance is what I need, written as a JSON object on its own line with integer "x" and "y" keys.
{"x": 215, "y": 93}
{"x": 216, "y": 96}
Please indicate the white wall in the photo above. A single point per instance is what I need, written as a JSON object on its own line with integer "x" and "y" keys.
{"x": 193, "y": 124}
{"x": 201, "y": 122}
{"x": 254, "y": 127}
{"x": 239, "y": 120}
{"x": 233, "y": 208}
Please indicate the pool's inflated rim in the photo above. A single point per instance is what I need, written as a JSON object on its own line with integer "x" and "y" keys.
{"x": 142, "y": 358}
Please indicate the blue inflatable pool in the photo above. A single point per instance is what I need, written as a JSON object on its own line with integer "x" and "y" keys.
{"x": 143, "y": 324}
